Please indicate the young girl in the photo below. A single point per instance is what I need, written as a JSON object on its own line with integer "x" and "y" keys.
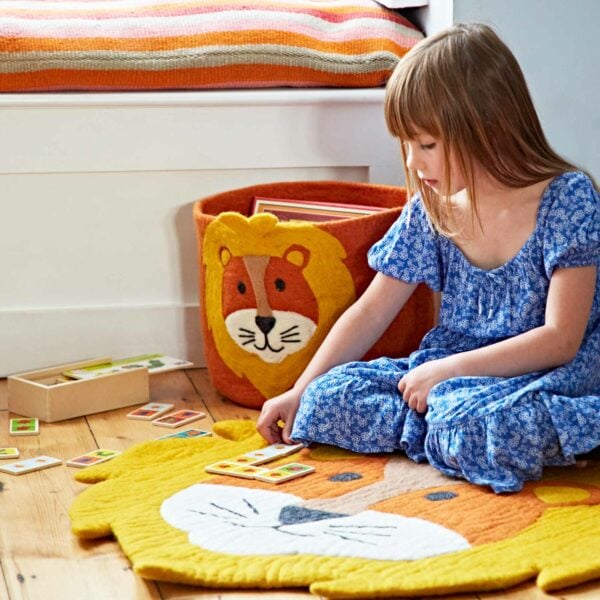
{"x": 509, "y": 232}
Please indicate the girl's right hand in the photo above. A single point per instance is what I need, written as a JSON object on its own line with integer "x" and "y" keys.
{"x": 283, "y": 407}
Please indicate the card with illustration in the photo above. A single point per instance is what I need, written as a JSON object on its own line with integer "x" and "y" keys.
{"x": 155, "y": 363}
{"x": 24, "y": 427}
{"x": 92, "y": 458}
{"x": 272, "y": 452}
{"x": 9, "y": 453}
{"x": 186, "y": 434}
{"x": 150, "y": 411}
{"x": 285, "y": 473}
{"x": 244, "y": 459}
{"x": 179, "y": 418}
{"x": 31, "y": 464}
{"x": 235, "y": 470}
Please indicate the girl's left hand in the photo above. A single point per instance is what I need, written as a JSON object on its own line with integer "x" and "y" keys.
{"x": 417, "y": 383}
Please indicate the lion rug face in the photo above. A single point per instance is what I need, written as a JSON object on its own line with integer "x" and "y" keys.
{"x": 359, "y": 526}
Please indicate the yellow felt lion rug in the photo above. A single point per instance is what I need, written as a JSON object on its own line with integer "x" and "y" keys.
{"x": 270, "y": 291}
{"x": 359, "y": 526}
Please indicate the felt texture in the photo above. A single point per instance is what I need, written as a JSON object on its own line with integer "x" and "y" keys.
{"x": 270, "y": 291}
{"x": 155, "y": 44}
{"x": 359, "y": 527}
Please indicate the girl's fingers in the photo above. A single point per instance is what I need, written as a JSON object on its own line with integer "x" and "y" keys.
{"x": 274, "y": 433}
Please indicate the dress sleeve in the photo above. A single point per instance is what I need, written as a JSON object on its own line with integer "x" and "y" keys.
{"x": 572, "y": 229}
{"x": 410, "y": 249}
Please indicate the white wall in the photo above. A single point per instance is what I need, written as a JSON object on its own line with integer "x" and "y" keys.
{"x": 556, "y": 43}
{"x": 97, "y": 249}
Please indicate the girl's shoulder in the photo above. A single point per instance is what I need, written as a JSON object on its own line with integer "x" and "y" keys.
{"x": 415, "y": 210}
{"x": 572, "y": 191}
{"x": 573, "y": 183}
{"x": 570, "y": 227}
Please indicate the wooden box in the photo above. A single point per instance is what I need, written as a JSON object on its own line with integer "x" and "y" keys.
{"x": 44, "y": 393}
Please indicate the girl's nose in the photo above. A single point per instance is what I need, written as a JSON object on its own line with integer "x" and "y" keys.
{"x": 412, "y": 161}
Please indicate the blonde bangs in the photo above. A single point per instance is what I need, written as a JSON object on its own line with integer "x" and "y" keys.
{"x": 410, "y": 106}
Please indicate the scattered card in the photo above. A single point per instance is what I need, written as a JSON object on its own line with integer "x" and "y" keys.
{"x": 235, "y": 469}
{"x": 272, "y": 452}
{"x": 244, "y": 459}
{"x": 148, "y": 412}
{"x": 31, "y": 464}
{"x": 92, "y": 458}
{"x": 186, "y": 434}
{"x": 285, "y": 473}
{"x": 179, "y": 418}
{"x": 24, "y": 427}
{"x": 9, "y": 453}
{"x": 155, "y": 363}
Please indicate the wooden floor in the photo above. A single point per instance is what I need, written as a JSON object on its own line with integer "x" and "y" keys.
{"x": 41, "y": 560}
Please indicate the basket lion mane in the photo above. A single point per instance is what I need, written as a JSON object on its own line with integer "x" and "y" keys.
{"x": 272, "y": 291}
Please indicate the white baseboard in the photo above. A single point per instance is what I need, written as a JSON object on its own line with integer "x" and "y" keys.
{"x": 33, "y": 339}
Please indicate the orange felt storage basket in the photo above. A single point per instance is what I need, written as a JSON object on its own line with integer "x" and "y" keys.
{"x": 270, "y": 290}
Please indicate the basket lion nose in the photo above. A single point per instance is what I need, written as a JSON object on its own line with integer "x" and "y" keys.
{"x": 265, "y": 324}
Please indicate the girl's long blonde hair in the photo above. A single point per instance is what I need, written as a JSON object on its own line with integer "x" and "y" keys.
{"x": 464, "y": 87}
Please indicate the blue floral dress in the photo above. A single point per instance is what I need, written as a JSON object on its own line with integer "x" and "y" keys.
{"x": 496, "y": 431}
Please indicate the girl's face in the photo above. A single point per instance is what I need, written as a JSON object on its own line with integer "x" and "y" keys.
{"x": 425, "y": 155}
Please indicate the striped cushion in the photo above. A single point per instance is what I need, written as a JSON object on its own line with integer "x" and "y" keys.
{"x": 153, "y": 44}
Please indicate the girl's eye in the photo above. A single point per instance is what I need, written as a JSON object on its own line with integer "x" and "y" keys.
{"x": 428, "y": 146}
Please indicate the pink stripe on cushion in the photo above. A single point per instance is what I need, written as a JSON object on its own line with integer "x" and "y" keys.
{"x": 137, "y": 28}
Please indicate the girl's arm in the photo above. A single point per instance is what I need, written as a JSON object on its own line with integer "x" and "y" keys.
{"x": 353, "y": 334}
{"x": 570, "y": 298}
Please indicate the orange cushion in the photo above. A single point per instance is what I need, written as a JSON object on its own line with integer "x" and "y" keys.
{"x": 154, "y": 45}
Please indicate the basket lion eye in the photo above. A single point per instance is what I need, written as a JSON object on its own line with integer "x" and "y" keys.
{"x": 241, "y": 286}
{"x": 279, "y": 284}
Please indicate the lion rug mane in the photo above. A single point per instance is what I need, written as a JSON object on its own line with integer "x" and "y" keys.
{"x": 359, "y": 526}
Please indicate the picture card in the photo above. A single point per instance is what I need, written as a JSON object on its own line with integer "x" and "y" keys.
{"x": 244, "y": 459}
{"x": 285, "y": 473}
{"x": 310, "y": 210}
{"x": 155, "y": 363}
{"x": 179, "y": 418}
{"x": 150, "y": 411}
{"x": 9, "y": 453}
{"x": 235, "y": 470}
{"x": 92, "y": 458}
{"x": 31, "y": 464}
{"x": 272, "y": 452}
{"x": 186, "y": 434}
{"x": 24, "y": 427}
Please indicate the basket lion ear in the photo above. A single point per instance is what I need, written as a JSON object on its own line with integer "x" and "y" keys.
{"x": 224, "y": 255}
{"x": 297, "y": 255}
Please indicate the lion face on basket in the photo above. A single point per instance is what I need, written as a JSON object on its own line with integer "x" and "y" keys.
{"x": 272, "y": 291}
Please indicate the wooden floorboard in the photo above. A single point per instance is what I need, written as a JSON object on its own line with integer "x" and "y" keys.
{"x": 41, "y": 560}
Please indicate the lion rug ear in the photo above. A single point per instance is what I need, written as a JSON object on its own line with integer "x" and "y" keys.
{"x": 270, "y": 290}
